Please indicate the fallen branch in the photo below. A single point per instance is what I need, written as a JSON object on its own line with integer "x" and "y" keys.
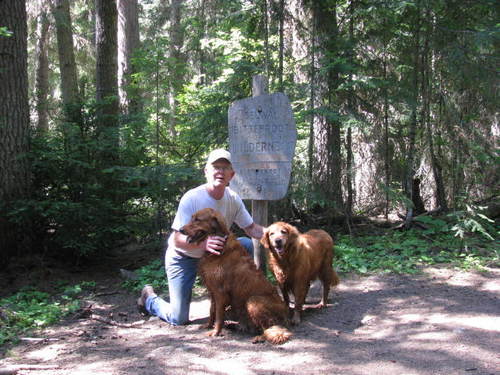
{"x": 12, "y": 370}
{"x": 106, "y": 294}
{"x": 114, "y": 323}
{"x": 37, "y": 339}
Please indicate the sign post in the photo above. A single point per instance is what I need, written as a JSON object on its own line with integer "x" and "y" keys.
{"x": 262, "y": 138}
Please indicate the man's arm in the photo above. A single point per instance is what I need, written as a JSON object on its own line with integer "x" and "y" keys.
{"x": 213, "y": 244}
{"x": 255, "y": 231}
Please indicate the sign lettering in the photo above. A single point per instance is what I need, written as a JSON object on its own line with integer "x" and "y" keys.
{"x": 262, "y": 138}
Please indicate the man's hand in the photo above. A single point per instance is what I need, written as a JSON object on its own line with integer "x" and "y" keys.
{"x": 214, "y": 244}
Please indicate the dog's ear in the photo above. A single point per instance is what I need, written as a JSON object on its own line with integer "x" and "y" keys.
{"x": 265, "y": 239}
{"x": 219, "y": 224}
{"x": 293, "y": 233}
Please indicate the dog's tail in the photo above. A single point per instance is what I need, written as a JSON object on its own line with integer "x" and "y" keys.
{"x": 275, "y": 335}
{"x": 335, "y": 278}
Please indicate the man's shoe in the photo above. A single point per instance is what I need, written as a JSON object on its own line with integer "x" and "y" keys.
{"x": 147, "y": 291}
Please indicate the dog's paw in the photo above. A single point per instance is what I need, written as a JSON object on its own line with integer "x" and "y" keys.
{"x": 296, "y": 318}
{"x": 215, "y": 333}
{"x": 258, "y": 339}
{"x": 207, "y": 326}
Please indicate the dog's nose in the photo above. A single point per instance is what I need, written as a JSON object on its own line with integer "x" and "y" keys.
{"x": 278, "y": 242}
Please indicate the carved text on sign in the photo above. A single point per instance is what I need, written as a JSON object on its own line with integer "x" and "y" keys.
{"x": 262, "y": 136}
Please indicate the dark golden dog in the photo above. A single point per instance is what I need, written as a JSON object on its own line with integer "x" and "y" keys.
{"x": 297, "y": 259}
{"x": 233, "y": 280}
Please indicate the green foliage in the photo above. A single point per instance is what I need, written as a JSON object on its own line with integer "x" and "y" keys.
{"x": 471, "y": 220}
{"x": 84, "y": 205}
{"x": 5, "y": 32}
{"x": 407, "y": 251}
{"x": 81, "y": 207}
{"x": 31, "y": 309}
{"x": 152, "y": 274}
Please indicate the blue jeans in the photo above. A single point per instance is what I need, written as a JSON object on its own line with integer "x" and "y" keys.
{"x": 181, "y": 274}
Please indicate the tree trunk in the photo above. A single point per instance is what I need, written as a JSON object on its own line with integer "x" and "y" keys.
{"x": 67, "y": 65}
{"x": 312, "y": 99}
{"x": 351, "y": 105}
{"x": 387, "y": 168}
{"x": 42, "y": 70}
{"x": 128, "y": 43}
{"x": 440, "y": 194}
{"x": 177, "y": 65}
{"x": 200, "y": 54}
{"x": 15, "y": 176}
{"x": 387, "y": 164}
{"x": 281, "y": 41}
{"x": 327, "y": 141}
{"x": 106, "y": 79}
{"x": 437, "y": 169}
{"x": 412, "y": 131}
{"x": 265, "y": 14}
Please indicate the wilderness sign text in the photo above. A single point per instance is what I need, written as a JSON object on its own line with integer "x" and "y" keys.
{"x": 262, "y": 137}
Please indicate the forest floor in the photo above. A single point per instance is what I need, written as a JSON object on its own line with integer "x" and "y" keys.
{"x": 440, "y": 321}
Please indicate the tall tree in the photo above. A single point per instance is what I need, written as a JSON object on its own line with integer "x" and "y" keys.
{"x": 15, "y": 176}
{"x": 106, "y": 78}
{"x": 281, "y": 43}
{"x": 177, "y": 64}
{"x": 67, "y": 64}
{"x": 409, "y": 183}
{"x": 42, "y": 69}
{"x": 128, "y": 44}
{"x": 327, "y": 139}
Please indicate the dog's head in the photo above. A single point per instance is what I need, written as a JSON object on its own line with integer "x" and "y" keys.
{"x": 204, "y": 223}
{"x": 278, "y": 237}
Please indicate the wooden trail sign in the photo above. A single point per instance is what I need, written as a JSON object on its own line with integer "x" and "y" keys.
{"x": 262, "y": 138}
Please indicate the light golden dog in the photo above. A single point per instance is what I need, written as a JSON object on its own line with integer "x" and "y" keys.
{"x": 297, "y": 259}
{"x": 233, "y": 281}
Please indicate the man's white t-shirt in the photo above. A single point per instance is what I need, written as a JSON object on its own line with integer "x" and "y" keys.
{"x": 230, "y": 206}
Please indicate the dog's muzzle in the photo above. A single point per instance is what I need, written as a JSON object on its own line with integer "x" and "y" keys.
{"x": 278, "y": 246}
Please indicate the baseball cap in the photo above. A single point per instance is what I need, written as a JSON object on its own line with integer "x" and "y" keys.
{"x": 218, "y": 154}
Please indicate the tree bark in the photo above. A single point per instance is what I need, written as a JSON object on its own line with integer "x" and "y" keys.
{"x": 128, "y": 43}
{"x": 281, "y": 41}
{"x": 42, "y": 70}
{"x": 351, "y": 110}
{"x": 106, "y": 79}
{"x": 327, "y": 140}
{"x": 177, "y": 65}
{"x": 15, "y": 176}
{"x": 67, "y": 64}
{"x": 427, "y": 89}
{"x": 412, "y": 131}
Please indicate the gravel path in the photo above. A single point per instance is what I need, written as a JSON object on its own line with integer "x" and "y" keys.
{"x": 442, "y": 321}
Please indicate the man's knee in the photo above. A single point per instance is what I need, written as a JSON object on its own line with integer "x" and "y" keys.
{"x": 247, "y": 244}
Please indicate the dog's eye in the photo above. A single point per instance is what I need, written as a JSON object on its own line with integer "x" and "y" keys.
{"x": 283, "y": 231}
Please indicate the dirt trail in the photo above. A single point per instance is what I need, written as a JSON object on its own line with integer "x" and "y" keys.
{"x": 442, "y": 321}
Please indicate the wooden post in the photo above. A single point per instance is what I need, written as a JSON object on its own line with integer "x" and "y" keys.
{"x": 259, "y": 207}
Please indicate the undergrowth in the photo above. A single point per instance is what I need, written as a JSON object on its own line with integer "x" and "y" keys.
{"x": 408, "y": 251}
{"x": 29, "y": 309}
{"x": 389, "y": 251}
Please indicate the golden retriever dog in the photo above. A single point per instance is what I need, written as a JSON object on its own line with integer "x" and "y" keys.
{"x": 297, "y": 259}
{"x": 233, "y": 281}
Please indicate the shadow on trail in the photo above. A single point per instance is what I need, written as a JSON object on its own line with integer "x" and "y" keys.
{"x": 388, "y": 324}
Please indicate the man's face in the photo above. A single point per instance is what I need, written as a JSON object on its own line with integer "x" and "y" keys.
{"x": 220, "y": 172}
